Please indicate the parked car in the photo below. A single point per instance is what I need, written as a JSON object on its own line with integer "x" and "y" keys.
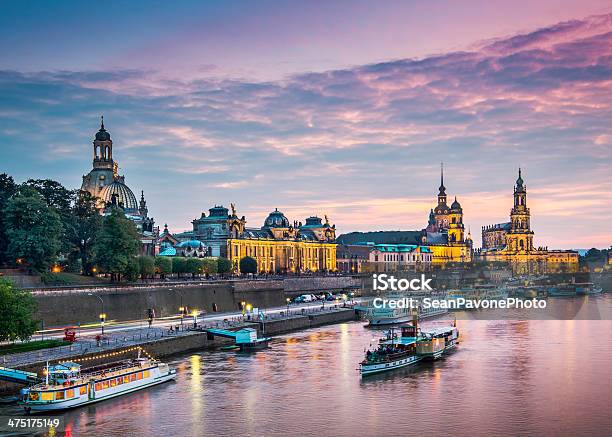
{"x": 305, "y": 298}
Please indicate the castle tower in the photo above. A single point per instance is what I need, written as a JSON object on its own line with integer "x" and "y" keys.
{"x": 520, "y": 236}
{"x": 456, "y": 228}
{"x": 441, "y": 211}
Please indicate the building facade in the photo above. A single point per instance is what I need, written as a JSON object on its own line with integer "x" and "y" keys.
{"x": 105, "y": 184}
{"x": 513, "y": 241}
{"x": 278, "y": 246}
{"x": 352, "y": 258}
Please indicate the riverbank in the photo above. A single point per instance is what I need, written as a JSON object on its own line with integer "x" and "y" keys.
{"x": 161, "y": 344}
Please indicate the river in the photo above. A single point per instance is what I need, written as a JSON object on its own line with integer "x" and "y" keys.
{"x": 507, "y": 377}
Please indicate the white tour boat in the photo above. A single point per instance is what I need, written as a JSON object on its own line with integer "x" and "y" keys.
{"x": 411, "y": 347}
{"x": 67, "y": 386}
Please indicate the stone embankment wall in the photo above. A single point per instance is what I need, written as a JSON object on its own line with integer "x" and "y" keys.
{"x": 74, "y": 305}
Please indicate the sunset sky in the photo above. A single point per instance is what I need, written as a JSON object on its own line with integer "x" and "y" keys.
{"x": 343, "y": 108}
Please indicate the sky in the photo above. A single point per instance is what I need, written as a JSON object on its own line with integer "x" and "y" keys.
{"x": 338, "y": 108}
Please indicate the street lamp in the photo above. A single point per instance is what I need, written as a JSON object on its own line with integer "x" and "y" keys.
{"x": 182, "y": 311}
{"x": 243, "y": 304}
{"x": 288, "y": 300}
{"x": 102, "y": 314}
{"x": 195, "y": 318}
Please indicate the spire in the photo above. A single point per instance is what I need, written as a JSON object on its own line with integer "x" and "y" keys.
{"x": 101, "y": 122}
{"x": 442, "y": 187}
{"x": 143, "y": 205}
{"x": 519, "y": 181}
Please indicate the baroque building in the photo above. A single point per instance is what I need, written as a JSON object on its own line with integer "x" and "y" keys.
{"x": 109, "y": 188}
{"x": 513, "y": 241}
{"x": 444, "y": 236}
{"x": 279, "y": 246}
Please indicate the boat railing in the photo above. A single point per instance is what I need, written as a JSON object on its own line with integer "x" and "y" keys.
{"x": 107, "y": 371}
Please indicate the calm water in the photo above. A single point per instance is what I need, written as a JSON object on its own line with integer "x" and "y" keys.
{"x": 506, "y": 377}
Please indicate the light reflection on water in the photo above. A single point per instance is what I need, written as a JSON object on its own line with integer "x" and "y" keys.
{"x": 507, "y": 377}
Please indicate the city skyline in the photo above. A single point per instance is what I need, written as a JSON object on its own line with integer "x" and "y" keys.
{"x": 359, "y": 139}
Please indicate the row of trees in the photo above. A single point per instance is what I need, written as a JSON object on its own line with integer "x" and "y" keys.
{"x": 148, "y": 267}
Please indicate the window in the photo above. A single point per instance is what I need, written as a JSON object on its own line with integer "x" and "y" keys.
{"x": 46, "y": 396}
{"x": 70, "y": 393}
{"x": 120, "y": 380}
{"x": 126, "y": 379}
{"x": 133, "y": 377}
{"x": 146, "y": 373}
{"x": 113, "y": 382}
{"x": 139, "y": 375}
{"x": 59, "y": 395}
{"x": 34, "y": 395}
{"x": 83, "y": 390}
{"x": 105, "y": 384}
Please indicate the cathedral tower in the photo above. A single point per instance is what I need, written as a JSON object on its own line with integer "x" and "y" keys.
{"x": 520, "y": 236}
{"x": 441, "y": 211}
{"x": 456, "y": 228}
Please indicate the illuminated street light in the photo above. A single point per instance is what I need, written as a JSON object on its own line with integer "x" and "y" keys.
{"x": 288, "y": 300}
{"x": 102, "y": 320}
{"x": 182, "y": 311}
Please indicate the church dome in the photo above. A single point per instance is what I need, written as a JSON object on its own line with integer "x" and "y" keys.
{"x": 276, "y": 219}
{"x": 123, "y": 195}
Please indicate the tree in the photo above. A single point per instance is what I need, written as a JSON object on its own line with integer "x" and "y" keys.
{"x": 116, "y": 245}
{"x": 16, "y": 316}
{"x": 8, "y": 187}
{"x": 209, "y": 265}
{"x": 33, "y": 229}
{"x": 223, "y": 265}
{"x": 82, "y": 229}
{"x": 163, "y": 266}
{"x": 146, "y": 266}
{"x": 248, "y": 265}
{"x": 55, "y": 194}
{"x": 193, "y": 266}
{"x": 60, "y": 199}
{"x": 132, "y": 270}
{"x": 179, "y": 265}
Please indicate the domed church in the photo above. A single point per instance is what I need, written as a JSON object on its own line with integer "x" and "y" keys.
{"x": 105, "y": 183}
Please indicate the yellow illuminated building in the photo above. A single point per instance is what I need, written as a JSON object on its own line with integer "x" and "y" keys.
{"x": 281, "y": 247}
{"x": 513, "y": 242}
